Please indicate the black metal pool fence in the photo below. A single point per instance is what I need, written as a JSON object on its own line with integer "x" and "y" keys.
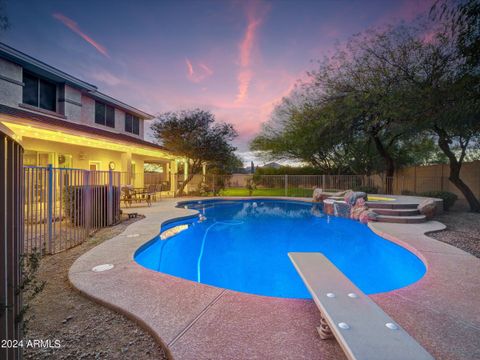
{"x": 303, "y": 185}
{"x": 64, "y": 206}
{"x": 11, "y": 244}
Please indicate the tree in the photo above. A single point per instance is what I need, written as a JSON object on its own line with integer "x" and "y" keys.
{"x": 347, "y": 115}
{"x": 463, "y": 20}
{"x": 195, "y": 135}
{"x": 442, "y": 90}
{"x": 452, "y": 109}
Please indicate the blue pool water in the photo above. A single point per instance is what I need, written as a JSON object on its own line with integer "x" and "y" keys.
{"x": 243, "y": 246}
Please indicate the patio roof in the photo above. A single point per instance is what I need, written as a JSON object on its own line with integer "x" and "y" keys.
{"x": 57, "y": 123}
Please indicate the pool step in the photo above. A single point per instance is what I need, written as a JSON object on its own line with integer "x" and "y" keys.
{"x": 416, "y": 219}
{"x": 395, "y": 212}
{"x": 385, "y": 205}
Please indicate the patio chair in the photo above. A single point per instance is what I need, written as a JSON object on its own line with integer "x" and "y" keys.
{"x": 152, "y": 192}
{"x": 128, "y": 195}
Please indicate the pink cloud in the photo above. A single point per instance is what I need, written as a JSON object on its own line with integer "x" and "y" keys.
{"x": 72, "y": 25}
{"x": 244, "y": 78}
{"x": 255, "y": 13}
{"x": 202, "y": 72}
{"x": 247, "y": 42}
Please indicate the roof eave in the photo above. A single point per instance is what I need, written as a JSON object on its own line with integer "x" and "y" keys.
{"x": 119, "y": 104}
{"x": 32, "y": 64}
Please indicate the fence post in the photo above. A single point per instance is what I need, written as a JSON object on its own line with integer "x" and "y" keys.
{"x": 213, "y": 185}
{"x": 323, "y": 181}
{"x": 110, "y": 198}
{"x": 286, "y": 185}
{"x": 50, "y": 206}
{"x": 415, "y": 179}
{"x": 441, "y": 178}
{"x": 88, "y": 202}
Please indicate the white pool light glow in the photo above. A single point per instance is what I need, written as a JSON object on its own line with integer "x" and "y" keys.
{"x": 103, "y": 267}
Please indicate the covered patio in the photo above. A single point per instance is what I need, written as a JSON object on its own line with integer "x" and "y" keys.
{"x": 67, "y": 145}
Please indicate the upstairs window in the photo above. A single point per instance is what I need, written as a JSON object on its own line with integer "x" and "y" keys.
{"x": 132, "y": 124}
{"x": 39, "y": 92}
{"x": 104, "y": 114}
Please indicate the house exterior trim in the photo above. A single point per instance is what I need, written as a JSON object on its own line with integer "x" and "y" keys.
{"x": 70, "y": 101}
{"x": 13, "y": 81}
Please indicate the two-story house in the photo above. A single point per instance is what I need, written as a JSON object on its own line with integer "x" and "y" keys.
{"x": 67, "y": 122}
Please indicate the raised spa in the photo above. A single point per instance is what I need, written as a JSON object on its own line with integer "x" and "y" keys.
{"x": 243, "y": 244}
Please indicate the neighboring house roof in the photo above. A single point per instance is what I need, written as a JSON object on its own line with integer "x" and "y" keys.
{"x": 44, "y": 70}
{"x": 67, "y": 125}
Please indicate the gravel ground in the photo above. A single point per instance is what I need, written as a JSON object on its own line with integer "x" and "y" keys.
{"x": 463, "y": 231}
{"x": 85, "y": 329}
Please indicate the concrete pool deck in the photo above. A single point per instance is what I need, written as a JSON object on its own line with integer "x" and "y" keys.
{"x": 197, "y": 321}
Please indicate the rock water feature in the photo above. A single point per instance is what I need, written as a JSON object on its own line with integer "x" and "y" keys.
{"x": 353, "y": 206}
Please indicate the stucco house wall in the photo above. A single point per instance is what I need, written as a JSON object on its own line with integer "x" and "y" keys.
{"x": 11, "y": 83}
{"x": 72, "y": 104}
{"x": 88, "y": 118}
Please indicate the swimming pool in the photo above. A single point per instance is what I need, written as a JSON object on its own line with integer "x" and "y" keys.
{"x": 243, "y": 244}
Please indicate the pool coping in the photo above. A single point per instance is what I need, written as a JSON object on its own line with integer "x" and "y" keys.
{"x": 193, "y": 321}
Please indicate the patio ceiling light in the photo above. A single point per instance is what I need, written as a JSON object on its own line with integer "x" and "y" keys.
{"x": 59, "y": 136}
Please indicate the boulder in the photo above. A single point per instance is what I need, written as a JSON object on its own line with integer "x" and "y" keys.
{"x": 352, "y": 196}
{"x": 317, "y": 195}
{"x": 427, "y": 207}
{"x": 359, "y": 207}
{"x": 367, "y": 215}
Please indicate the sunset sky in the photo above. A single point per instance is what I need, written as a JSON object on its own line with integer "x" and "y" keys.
{"x": 235, "y": 58}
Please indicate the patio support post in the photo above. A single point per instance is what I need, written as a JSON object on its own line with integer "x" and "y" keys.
{"x": 185, "y": 174}
{"x": 49, "y": 205}
{"x": 173, "y": 177}
{"x": 126, "y": 159}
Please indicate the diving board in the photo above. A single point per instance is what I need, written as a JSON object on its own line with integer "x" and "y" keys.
{"x": 361, "y": 327}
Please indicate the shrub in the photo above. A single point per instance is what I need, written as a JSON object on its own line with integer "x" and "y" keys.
{"x": 447, "y": 197}
{"x": 202, "y": 190}
{"x": 251, "y": 186}
{"x": 367, "y": 189}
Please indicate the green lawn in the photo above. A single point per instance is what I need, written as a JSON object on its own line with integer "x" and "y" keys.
{"x": 267, "y": 192}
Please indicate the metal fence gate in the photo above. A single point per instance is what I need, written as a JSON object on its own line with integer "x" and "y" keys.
{"x": 11, "y": 241}
{"x": 64, "y": 206}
